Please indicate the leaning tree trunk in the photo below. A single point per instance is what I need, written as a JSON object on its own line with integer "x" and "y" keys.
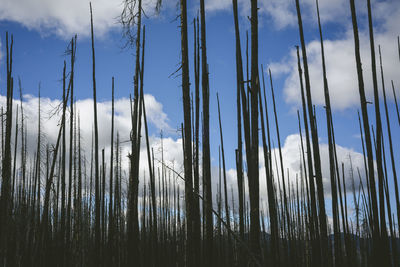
{"x": 376, "y": 250}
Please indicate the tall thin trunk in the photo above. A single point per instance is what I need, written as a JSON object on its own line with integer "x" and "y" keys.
{"x": 227, "y": 212}
{"x": 110, "y": 197}
{"x": 103, "y": 199}
{"x": 49, "y": 182}
{"x": 63, "y": 152}
{"x": 253, "y": 162}
{"x": 396, "y": 186}
{"x": 152, "y": 185}
{"x": 239, "y": 90}
{"x": 133, "y": 219}
{"x": 15, "y": 154}
{"x": 97, "y": 258}
{"x": 273, "y": 216}
{"x": 5, "y": 198}
{"x": 196, "y": 122}
{"x": 331, "y": 144}
{"x": 285, "y": 201}
{"x": 364, "y": 112}
{"x": 207, "y": 204}
{"x": 71, "y": 152}
{"x": 379, "y": 144}
{"x": 187, "y": 138}
{"x": 314, "y": 136}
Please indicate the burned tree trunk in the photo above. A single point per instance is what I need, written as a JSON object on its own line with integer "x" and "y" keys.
{"x": 207, "y": 204}
{"x": 187, "y": 138}
{"x": 97, "y": 233}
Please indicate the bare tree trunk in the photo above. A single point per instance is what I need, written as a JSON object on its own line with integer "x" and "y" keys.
{"x": 253, "y": 162}
{"x": 15, "y": 154}
{"x": 111, "y": 200}
{"x": 364, "y": 112}
{"x": 317, "y": 159}
{"x": 227, "y": 213}
{"x": 5, "y": 198}
{"x": 133, "y": 219}
{"x": 239, "y": 89}
{"x": 187, "y": 139}
{"x": 207, "y": 204}
{"x": 332, "y": 154}
{"x": 71, "y": 152}
{"x": 45, "y": 216}
{"x": 97, "y": 235}
{"x": 273, "y": 216}
{"x": 396, "y": 187}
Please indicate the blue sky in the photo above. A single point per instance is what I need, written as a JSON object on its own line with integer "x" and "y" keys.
{"x": 42, "y": 31}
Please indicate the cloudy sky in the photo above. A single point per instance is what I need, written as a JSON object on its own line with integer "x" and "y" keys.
{"x": 43, "y": 28}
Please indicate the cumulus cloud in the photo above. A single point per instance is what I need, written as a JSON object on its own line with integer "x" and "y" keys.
{"x": 283, "y": 13}
{"x": 63, "y": 18}
{"x": 50, "y": 119}
{"x": 168, "y": 149}
{"x": 67, "y": 17}
{"x": 171, "y": 146}
{"x": 173, "y": 157}
{"x": 211, "y": 5}
{"x": 291, "y": 155}
{"x": 292, "y": 161}
{"x": 340, "y": 62}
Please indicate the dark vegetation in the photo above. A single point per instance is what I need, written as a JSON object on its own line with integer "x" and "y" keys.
{"x": 60, "y": 212}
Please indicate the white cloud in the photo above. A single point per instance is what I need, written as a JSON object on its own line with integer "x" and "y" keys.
{"x": 170, "y": 147}
{"x": 67, "y": 17}
{"x": 291, "y": 155}
{"x": 50, "y": 121}
{"x": 64, "y": 18}
{"x": 211, "y": 5}
{"x": 291, "y": 160}
{"x": 283, "y": 13}
{"x": 340, "y": 62}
